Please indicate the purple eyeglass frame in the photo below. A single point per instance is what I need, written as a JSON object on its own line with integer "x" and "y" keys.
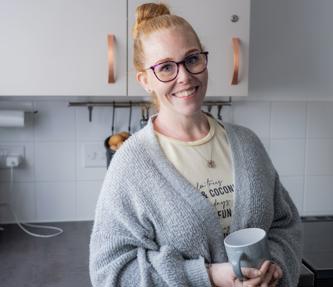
{"x": 178, "y": 63}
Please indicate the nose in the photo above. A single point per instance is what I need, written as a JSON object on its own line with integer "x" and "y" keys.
{"x": 183, "y": 74}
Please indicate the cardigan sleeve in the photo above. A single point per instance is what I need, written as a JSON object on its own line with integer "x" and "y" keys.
{"x": 281, "y": 218}
{"x": 123, "y": 249}
{"x": 285, "y": 236}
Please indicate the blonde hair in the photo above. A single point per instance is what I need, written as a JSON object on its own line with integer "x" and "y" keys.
{"x": 151, "y": 17}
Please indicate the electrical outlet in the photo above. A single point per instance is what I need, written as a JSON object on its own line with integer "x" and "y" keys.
{"x": 94, "y": 155}
{"x": 10, "y": 150}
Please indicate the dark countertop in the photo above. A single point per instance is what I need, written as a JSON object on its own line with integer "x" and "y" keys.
{"x": 318, "y": 244}
{"x": 318, "y": 248}
{"x": 307, "y": 277}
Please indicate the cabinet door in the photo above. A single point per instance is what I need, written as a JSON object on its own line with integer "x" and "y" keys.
{"x": 59, "y": 47}
{"x": 211, "y": 19}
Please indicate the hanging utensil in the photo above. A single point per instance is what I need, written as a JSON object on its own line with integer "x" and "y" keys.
{"x": 113, "y": 115}
{"x": 107, "y": 142}
{"x": 144, "y": 116}
{"x": 90, "y": 109}
{"x": 130, "y": 118}
{"x": 148, "y": 108}
{"x": 219, "y": 116}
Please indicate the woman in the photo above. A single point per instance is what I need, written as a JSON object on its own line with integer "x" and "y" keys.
{"x": 178, "y": 186}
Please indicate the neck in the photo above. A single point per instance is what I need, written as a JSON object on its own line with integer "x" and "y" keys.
{"x": 180, "y": 127}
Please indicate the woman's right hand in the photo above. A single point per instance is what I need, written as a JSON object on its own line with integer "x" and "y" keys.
{"x": 222, "y": 275}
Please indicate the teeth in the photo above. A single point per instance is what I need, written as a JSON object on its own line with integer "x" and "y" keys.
{"x": 185, "y": 93}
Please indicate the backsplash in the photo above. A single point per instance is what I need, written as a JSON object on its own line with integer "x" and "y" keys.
{"x": 55, "y": 184}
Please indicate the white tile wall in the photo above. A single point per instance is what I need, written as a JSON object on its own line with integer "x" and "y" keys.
{"x": 55, "y": 121}
{"x": 320, "y": 119}
{"x": 318, "y": 195}
{"x": 87, "y": 195}
{"x": 23, "y": 201}
{"x": 54, "y": 185}
{"x": 288, "y": 120}
{"x": 288, "y": 156}
{"x": 254, "y": 115}
{"x": 5, "y": 215}
{"x": 55, "y": 161}
{"x": 320, "y": 157}
{"x": 56, "y": 201}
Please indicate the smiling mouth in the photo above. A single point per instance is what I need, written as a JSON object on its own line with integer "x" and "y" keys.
{"x": 185, "y": 93}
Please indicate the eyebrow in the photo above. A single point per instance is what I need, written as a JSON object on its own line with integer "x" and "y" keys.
{"x": 170, "y": 59}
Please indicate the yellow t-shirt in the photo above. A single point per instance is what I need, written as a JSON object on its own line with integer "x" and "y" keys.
{"x": 191, "y": 160}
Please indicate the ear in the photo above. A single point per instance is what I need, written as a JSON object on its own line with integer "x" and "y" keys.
{"x": 142, "y": 78}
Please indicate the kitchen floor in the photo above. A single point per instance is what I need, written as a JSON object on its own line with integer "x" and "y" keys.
{"x": 61, "y": 261}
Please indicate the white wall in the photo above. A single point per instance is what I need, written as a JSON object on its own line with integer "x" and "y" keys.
{"x": 290, "y": 107}
{"x": 291, "y": 50}
{"x": 54, "y": 185}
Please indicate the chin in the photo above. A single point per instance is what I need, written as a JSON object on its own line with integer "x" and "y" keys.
{"x": 187, "y": 106}
{"x": 189, "y": 111}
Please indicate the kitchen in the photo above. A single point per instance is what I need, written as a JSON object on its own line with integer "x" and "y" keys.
{"x": 287, "y": 103}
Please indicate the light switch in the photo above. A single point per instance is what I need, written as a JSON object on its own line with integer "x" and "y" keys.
{"x": 94, "y": 155}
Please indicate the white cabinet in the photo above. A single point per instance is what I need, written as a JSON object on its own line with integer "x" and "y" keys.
{"x": 59, "y": 47}
{"x": 211, "y": 19}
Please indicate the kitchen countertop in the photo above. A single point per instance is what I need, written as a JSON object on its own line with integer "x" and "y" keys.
{"x": 307, "y": 277}
{"x": 318, "y": 248}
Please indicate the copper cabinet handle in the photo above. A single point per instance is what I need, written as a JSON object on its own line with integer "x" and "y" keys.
{"x": 235, "y": 47}
{"x": 111, "y": 60}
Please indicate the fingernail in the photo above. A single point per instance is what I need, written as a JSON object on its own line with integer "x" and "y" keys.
{"x": 258, "y": 273}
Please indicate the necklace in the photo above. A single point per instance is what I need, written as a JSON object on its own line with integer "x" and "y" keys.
{"x": 210, "y": 162}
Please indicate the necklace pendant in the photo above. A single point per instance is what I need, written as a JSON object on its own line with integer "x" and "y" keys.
{"x": 211, "y": 163}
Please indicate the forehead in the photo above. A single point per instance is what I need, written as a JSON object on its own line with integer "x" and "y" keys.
{"x": 172, "y": 43}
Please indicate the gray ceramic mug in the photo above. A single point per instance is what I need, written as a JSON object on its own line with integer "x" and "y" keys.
{"x": 247, "y": 248}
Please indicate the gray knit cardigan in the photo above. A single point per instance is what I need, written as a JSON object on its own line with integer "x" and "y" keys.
{"x": 153, "y": 228}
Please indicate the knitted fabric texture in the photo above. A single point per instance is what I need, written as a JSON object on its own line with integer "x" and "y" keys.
{"x": 153, "y": 228}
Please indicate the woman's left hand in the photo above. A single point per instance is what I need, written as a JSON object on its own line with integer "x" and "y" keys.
{"x": 271, "y": 274}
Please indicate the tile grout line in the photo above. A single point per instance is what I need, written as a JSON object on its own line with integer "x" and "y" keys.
{"x": 305, "y": 155}
{"x": 34, "y": 163}
{"x": 270, "y": 127}
{"x": 77, "y": 150}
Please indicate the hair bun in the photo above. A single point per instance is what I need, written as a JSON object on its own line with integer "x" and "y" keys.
{"x": 148, "y": 11}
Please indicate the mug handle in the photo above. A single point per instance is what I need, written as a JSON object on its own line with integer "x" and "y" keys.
{"x": 237, "y": 266}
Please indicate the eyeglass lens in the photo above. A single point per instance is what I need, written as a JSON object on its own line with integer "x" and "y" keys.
{"x": 195, "y": 64}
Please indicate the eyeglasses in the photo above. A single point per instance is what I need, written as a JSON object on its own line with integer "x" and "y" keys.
{"x": 168, "y": 71}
